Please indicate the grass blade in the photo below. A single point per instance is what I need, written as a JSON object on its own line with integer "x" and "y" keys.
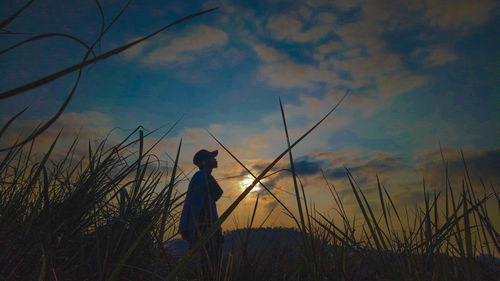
{"x": 292, "y": 167}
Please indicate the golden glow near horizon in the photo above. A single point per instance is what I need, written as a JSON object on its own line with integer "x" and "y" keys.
{"x": 246, "y": 182}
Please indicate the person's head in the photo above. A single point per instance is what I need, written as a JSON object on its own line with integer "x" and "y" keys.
{"x": 205, "y": 159}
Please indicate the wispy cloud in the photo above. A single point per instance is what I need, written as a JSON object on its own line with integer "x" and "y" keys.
{"x": 86, "y": 126}
{"x": 290, "y": 27}
{"x": 484, "y": 163}
{"x": 136, "y": 50}
{"x": 280, "y": 71}
{"x": 435, "y": 55}
{"x": 442, "y": 13}
{"x": 186, "y": 49}
{"x": 457, "y": 13}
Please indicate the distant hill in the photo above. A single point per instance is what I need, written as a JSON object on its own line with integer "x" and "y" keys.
{"x": 258, "y": 240}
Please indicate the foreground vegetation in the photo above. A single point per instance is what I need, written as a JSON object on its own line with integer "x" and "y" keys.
{"x": 107, "y": 215}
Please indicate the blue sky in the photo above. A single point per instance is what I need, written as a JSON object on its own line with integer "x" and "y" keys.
{"x": 419, "y": 73}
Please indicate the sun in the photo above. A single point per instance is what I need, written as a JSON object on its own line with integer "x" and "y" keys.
{"x": 246, "y": 182}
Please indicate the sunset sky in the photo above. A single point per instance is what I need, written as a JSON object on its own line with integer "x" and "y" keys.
{"x": 419, "y": 72}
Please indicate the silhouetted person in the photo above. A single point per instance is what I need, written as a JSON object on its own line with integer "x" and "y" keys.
{"x": 199, "y": 211}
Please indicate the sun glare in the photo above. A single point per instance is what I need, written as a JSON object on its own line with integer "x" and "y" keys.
{"x": 246, "y": 182}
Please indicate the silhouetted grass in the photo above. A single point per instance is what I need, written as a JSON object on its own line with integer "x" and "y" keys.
{"x": 103, "y": 216}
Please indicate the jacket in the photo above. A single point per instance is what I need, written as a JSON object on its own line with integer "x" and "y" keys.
{"x": 199, "y": 206}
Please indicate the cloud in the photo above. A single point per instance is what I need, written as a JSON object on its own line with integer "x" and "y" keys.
{"x": 87, "y": 126}
{"x": 358, "y": 60}
{"x": 307, "y": 111}
{"x": 363, "y": 55}
{"x": 456, "y": 13}
{"x": 280, "y": 71}
{"x": 438, "y": 56}
{"x": 301, "y": 117}
{"x": 291, "y": 74}
{"x": 305, "y": 13}
{"x": 398, "y": 83}
{"x": 435, "y": 55}
{"x": 376, "y": 162}
{"x": 483, "y": 163}
{"x": 306, "y": 165}
{"x": 284, "y": 26}
{"x": 402, "y": 177}
{"x": 442, "y": 13}
{"x": 268, "y": 54}
{"x": 329, "y": 47}
{"x": 363, "y": 166}
{"x": 288, "y": 27}
{"x": 136, "y": 50}
{"x": 186, "y": 49}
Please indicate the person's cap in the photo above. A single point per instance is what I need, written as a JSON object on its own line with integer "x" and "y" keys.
{"x": 203, "y": 155}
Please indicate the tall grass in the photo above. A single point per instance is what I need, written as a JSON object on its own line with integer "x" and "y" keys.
{"x": 434, "y": 244}
{"x": 101, "y": 216}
